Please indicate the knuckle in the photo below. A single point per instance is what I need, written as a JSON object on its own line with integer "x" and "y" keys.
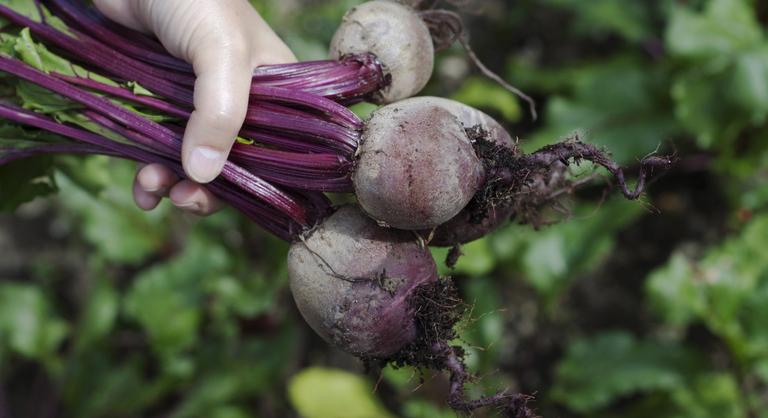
{"x": 222, "y": 119}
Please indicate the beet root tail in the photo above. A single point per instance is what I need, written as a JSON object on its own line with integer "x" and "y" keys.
{"x": 512, "y": 405}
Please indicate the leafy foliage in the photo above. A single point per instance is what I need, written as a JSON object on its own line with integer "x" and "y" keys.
{"x": 317, "y": 393}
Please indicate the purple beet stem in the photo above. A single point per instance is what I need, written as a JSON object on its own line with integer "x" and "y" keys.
{"x": 347, "y": 81}
{"x": 167, "y": 142}
{"x": 267, "y": 217}
{"x": 318, "y": 137}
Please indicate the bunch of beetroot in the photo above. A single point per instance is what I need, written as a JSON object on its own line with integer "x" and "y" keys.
{"x": 425, "y": 171}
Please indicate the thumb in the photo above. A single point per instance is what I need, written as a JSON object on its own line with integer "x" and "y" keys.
{"x": 221, "y": 103}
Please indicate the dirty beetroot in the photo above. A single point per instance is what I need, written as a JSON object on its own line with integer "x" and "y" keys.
{"x": 375, "y": 293}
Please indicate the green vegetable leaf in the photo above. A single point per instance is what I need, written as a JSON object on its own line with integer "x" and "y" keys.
{"x": 38, "y": 56}
{"x": 551, "y": 257}
{"x": 175, "y": 290}
{"x": 486, "y": 95}
{"x": 33, "y": 10}
{"x": 631, "y": 20}
{"x": 99, "y": 314}
{"x": 27, "y": 324}
{"x": 23, "y": 7}
{"x": 23, "y": 181}
{"x": 724, "y": 28}
{"x": 710, "y": 395}
{"x": 424, "y": 409}
{"x": 112, "y": 224}
{"x": 477, "y": 259}
{"x": 320, "y": 393}
{"x": 727, "y": 290}
{"x": 617, "y": 104}
{"x": 598, "y": 371}
{"x": 749, "y": 88}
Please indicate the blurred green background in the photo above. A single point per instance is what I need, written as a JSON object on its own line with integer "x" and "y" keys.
{"x": 657, "y": 308}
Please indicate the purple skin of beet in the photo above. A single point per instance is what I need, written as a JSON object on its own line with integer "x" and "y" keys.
{"x": 461, "y": 229}
{"x": 353, "y": 282}
{"x": 360, "y": 287}
{"x": 415, "y": 167}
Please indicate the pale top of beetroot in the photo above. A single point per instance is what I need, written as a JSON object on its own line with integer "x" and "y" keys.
{"x": 397, "y": 36}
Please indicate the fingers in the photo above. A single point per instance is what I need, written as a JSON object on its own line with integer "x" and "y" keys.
{"x": 194, "y": 198}
{"x": 144, "y": 200}
{"x": 153, "y": 182}
{"x": 221, "y": 102}
{"x": 156, "y": 179}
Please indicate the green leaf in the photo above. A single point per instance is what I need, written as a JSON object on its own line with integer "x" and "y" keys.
{"x": 617, "y": 104}
{"x": 38, "y": 56}
{"x": 486, "y": 95}
{"x": 27, "y": 323}
{"x": 24, "y": 7}
{"x": 91, "y": 174}
{"x": 237, "y": 371}
{"x": 43, "y": 100}
{"x": 363, "y": 110}
{"x": 551, "y": 257}
{"x": 727, "y": 290}
{"x": 631, "y": 20}
{"x": 477, "y": 259}
{"x": 31, "y": 10}
{"x": 22, "y": 181}
{"x": 321, "y": 393}
{"x": 424, "y": 409}
{"x": 700, "y": 108}
{"x": 596, "y": 372}
{"x": 485, "y": 333}
{"x": 242, "y": 296}
{"x": 98, "y": 315}
{"x": 100, "y": 385}
{"x": 112, "y": 224}
{"x": 175, "y": 290}
{"x": 710, "y": 395}
{"x": 749, "y": 88}
{"x": 724, "y": 28}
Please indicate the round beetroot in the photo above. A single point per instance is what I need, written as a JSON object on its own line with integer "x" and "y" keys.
{"x": 354, "y": 282}
{"x": 397, "y": 36}
{"x": 416, "y": 166}
{"x": 468, "y": 225}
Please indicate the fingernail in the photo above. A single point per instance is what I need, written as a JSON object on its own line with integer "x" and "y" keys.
{"x": 191, "y": 207}
{"x": 150, "y": 181}
{"x": 205, "y": 163}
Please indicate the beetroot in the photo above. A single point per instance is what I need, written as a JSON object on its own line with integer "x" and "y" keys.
{"x": 397, "y": 36}
{"x": 416, "y": 167}
{"x": 354, "y": 282}
{"x": 375, "y": 293}
{"x": 470, "y": 225}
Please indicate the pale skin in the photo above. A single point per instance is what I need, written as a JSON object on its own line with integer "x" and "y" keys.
{"x": 224, "y": 40}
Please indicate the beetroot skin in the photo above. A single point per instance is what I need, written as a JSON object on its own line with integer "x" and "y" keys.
{"x": 353, "y": 282}
{"x": 416, "y": 166}
{"x": 375, "y": 293}
{"x": 468, "y": 226}
{"x": 397, "y": 36}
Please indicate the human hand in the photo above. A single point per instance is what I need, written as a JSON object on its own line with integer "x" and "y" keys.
{"x": 223, "y": 40}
